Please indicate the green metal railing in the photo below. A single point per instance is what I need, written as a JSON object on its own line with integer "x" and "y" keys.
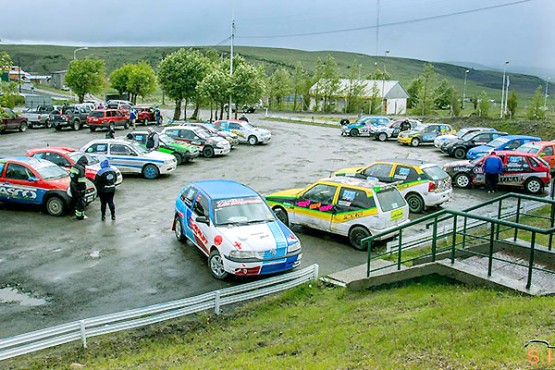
{"x": 449, "y": 238}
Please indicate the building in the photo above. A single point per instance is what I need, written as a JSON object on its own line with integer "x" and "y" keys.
{"x": 393, "y": 95}
{"x": 58, "y": 79}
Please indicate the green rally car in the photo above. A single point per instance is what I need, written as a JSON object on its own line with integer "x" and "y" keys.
{"x": 182, "y": 152}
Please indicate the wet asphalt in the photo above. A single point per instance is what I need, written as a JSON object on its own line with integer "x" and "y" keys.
{"x": 88, "y": 268}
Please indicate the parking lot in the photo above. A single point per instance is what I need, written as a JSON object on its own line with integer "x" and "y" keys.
{"x": 77, "y": 269}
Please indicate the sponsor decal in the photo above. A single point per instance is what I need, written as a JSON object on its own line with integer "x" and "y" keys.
{"x": 237, "y": 202}
{"x": 18, "y": 193}
{"x": 396, "y": 214}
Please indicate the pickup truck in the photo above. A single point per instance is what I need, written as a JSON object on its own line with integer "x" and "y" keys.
{"x": 11, "y": 121}
{"x": 69, "y": 116}
{"x": 39, "y": 116}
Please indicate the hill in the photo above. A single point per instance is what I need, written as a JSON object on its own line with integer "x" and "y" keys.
{"x": 44, "y": 59}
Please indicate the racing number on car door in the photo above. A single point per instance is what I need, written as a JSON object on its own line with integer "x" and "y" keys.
{"x": 315, "y": 207}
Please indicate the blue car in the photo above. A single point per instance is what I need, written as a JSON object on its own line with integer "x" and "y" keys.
{"x": 362, "y": 127}
{"x": 508, "y": 142}
{"x": 235, "y": 228}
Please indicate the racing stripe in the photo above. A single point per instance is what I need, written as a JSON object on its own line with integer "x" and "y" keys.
{"x": 281, "y": 242}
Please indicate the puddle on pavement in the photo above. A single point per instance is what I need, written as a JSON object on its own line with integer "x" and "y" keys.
{"x": 11, "y": 295}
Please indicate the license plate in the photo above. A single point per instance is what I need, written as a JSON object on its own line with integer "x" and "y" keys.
{"x": 89, "y": 199}
{"x": 397, "y": 214}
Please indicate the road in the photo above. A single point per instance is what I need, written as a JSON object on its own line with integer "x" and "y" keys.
{"x": 78, "y": 269}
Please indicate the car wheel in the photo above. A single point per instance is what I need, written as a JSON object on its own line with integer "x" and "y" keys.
{"x": 178, "y": 158}
{"x": 462, "y": 180}
{"x": 76, "y": 125}
{"x": 382, "y": 136}
{"x": 48, "y": 124}
{"x": 126, "y": 125}
{"x": 281, "y": 215}
{"x": 22, "y": 127}
{"x": 356, "y": 234}
{"x": 179, "y": 229}
{"x": 150, "y": 171}
{"x": 30, "y": 125}
{"x": 533, "y": 185}
{"x": 459, "y": 153}
{"x": 216, "y": 265}
{"x": 187, "y": 157}
{"x": 58, "y": 128}
{"x": 354, "y": 132}
{"x": 55, "y": 206}
{"x": 415, "y": 141}
{"x": 415, "y": 202}
{"x": 208, "y": 152}
{"x": 253, "y": 140}
{"x": 344, "y": 121}
{"x": 93, "y": 129}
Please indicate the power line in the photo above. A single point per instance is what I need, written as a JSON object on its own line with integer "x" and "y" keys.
{"x": 416, "y": 20}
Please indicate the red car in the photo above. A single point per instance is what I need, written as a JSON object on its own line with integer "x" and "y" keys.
{"x": 66, "y": 157}
{"x": 523, "y": 170}
{"x": 105, "y": 118}
{"x": 145, "y": 115}
{"x": 11, "y": 121}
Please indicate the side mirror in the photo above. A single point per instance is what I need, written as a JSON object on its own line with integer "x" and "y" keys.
{"x": 33, "y": 179}
{"x": 203, "y": 220}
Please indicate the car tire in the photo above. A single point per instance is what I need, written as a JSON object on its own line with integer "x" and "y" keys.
{"x": 126, "y": 125}
{"x": 178, "y": 158}
{"x": 187, "y": 157}
{"x": 48, "y": 124}
{"x": 179, "y": 229}
{"x": 76, "y": 125}
{"x": 415, "y": 202}
{"x": 415, "y": 142}
{"x": 462, "y": 180}
{"x": 354, "y": 133}
{"x": 281, "y": 214}
{"x": 216, "y": 265}
{"x": 55, "y": 206}
{"x": 459, "y": 153}
{"x": 344, "y": 122}
{"x": 533, "y": 185}
{"x": 93, "y": 129}
{"x": 208, "y": 152}
{"x": 22, "y": 127}
{"x": 30, "y": 125}
{"x": 252, "y": 140}
{"x": 356, "y": 234}
{"x": 382, "y": 136}
{"x": 150, "y": 171}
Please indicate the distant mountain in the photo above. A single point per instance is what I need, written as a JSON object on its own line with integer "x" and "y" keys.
{"x": 541, "y": 73}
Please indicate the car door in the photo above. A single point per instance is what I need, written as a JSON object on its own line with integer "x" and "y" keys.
{"x": 238, "y": 129}
{"x": 429, "y": 133}
{"x": 381, "y": 171}
{"x": 481, "y": 139}
{"x": 547, "y": 153}
{"x": 314, "y": 208}
{"x": 122, "y": 156}
{"x": 20, "y": 185}
{"x": 350, "y": 205}
{"x": 200, "y": 232}
{"x": 515, "y": 168}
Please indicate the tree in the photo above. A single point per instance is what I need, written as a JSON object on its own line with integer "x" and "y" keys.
{"x": 379, "y": 74}
{"x": 354, "y": 92}
{"x": 535, "y": 110}
{"x": 179, "y": 74}
{"x": 120, "y": 77}
{"x": 330, "y": 82}
{"x": 484, "y": 104}
{"x": 375, "y": 100}
{"x": 297, "y": 83}
{"x": 413, "y": 89}
{"x": 215, "y": 87}
{"x": 85, "y": 76}
{"x": 279, "y": 85}
{"x": 425, "y": 93}
{"x": 247, "y": 84}
{"x": 512, "y": 103}
{"x": 5, "y": 60}
{"x": 141, "y": 82}
{"x": 455, "y": 103}
{"x": 443, "y": 94}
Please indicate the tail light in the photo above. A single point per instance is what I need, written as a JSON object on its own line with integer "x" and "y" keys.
{"x": 39, "y": 116}
{"x": 432, "y": 186}
{"x": 66, "y": 118}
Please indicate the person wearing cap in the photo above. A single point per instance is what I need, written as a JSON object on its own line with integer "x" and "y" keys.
{"x": 78, "y": 186}
{"x": 493, "y": 166}
{"x": 105, "y": 182}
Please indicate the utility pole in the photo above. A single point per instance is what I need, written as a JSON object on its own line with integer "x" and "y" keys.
{"x": 464, "y": 88}
{"x": 230, "y": 105}
{"x": 503, "y": 90}
{"x": 383, "y": 82}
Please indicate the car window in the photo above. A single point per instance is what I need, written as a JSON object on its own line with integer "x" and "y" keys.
{"x": 320, "y": 193}
{"x": 1, "y": 168}
{"x": 201, "y": 206}
{"x": 435, "y": 173}
{"x": 234, "y": 126}
{"x": 517, "y": 163}
{"x": 405, "y": 173}
{"x": 390, "y": 199}
{"x": 354, "y": 199}
{"x": 514, "y": 144}
{"x": 174, "y": 133}
{"x": 189, "y": 195}
{"x": 548, "y": 150}
{"x": 120, "y": 149}
{"x": 17, "y": 172}
{"x": 187, "y": 134}
{"x": 482, "y": 138}
{"x": 56, "y": 159}
{"x": 380, "y": 171}
{"x": 98, "y": 148}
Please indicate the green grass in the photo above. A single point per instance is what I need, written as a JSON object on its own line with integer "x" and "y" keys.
{"x": 427, "y": 324}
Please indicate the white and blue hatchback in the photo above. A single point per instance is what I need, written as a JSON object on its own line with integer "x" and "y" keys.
{"x": 235, "y": 228}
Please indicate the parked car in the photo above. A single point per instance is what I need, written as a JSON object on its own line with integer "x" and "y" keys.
{"x": 66, "y": 157}
{"x": 9, "y": 120}
{"x": 382, "y": 133}
{"x": 105, "y": 118}
{"x": 145, "y": 115}
{"x": 449, "y": 138}
{"x": 209, "y": 146}
{"x": 39, "y": 116}
{"x": 507, "y": 142}
{"x": 523, "y": 170}
{"x": 346, "y": 206}
{"x": 544, "y": 149}
{"x": 37, "y": 182}
{"x": 74, "y": 117}
{"x": 131, "y": 158}
{"x": 247, "y": 108}
{"x": 211, "y": 130}
{"x": 459, "y": 147}
{"x": 362, "y": 126}
{"x": 247, "y": 132}
{"x": 182, "y": 152}
{"x": 422, "y": 184}
{"x": 424, "y": 134}
{"x": 235, "y": 228}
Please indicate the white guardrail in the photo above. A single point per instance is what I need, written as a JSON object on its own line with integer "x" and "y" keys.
{"x": 83, "y": 329}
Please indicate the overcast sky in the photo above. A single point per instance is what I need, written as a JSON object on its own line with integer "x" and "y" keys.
{"x": 478, "y": 32}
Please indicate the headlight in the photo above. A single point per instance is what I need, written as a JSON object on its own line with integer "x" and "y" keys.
{"x": 243, "y": 254}
{"x": 294, "y": 247}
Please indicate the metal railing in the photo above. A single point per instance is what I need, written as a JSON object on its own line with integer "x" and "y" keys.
{"x": 86, "y": 328}
{"x": 448, "y": 237}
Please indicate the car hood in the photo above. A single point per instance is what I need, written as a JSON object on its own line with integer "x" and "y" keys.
{"x": 290, "y": 193}
{"x": 261, "y": 130}
{"x": 348, "y": 170}
{"x": 463, "y": 163}
{"x": 255, "y": 237}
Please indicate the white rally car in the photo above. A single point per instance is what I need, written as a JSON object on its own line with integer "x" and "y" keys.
{"x": 247, "y": 132}
{"x": 131, "y": 157}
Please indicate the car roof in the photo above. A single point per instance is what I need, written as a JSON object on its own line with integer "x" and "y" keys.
{"x": 32, "y": 161}
{"x": 353, "y": 181}
{"x": 412, "y": 162}
{"x": 539, "y": 143}
{"x": 223, "y": 189}
{"x": 512, "y": 152}
{"x": 59, "y": 149}
{"x": 521, "y": 137}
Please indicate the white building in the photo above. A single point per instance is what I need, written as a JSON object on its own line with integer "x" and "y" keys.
{"x": 393, "y": 95}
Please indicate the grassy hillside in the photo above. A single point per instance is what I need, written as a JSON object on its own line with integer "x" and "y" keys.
{"x": 44, "y": 59}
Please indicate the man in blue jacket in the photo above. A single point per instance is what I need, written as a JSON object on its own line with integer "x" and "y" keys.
{"x": 493, "y": 166}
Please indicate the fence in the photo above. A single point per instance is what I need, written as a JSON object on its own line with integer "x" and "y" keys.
{"x": 83, "y": 329}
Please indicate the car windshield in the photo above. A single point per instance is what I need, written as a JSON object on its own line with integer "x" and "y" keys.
{"x": 201, "y": 133}
{"x": 76, "y": 155}
{"x": 50, "y": 171}
{"x": 529, "y": 149}
{"x": 241, "y": 211}
{"x": 462, "y": 132}
{"x": 166, "y": 139}
{"x": 138, "y": 147}
{"x": 467, "y": 135}
{"x": 497, "y": 142}
{"x": 390, "y": 199}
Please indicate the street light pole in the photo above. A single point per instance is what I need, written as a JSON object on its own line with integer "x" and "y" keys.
{"x": 546, "y": 89}
{"x": 503, "y": 90}
{"x": 464, "y": 87}
{"x": 76, "y": 50}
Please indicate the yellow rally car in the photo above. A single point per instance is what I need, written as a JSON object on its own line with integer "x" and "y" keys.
{"x": 424, "y": 134}
{"x": 347, "y": 206}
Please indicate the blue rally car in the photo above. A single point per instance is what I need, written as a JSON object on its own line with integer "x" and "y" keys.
{"x": 235, "y": 228}
{"x": 508, "y": 142}
{"x": 362, "y": 127}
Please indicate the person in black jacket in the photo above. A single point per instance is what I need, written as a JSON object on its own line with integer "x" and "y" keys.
{"x": 105, "y": 182}
{"x": 78, "y": 186}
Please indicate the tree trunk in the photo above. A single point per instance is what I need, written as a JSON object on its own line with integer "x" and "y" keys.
{"x": 177, "y": 112}
{"x": 195, "y": 113}
{"x": 185, "y": 110}
{"x": 221, "y": 110}
{"x": 211, "y": 112}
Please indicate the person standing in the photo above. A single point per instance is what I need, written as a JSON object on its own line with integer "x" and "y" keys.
{"x": 152, "y": 140}
{"x": 105, "y": 182}
{"x": 111, "y": 134}
{"x": 78, "y": 186}
{"x": 133, "y": 117}
{"x": 493, "y": 166}
{"x": 157, "y": 116}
